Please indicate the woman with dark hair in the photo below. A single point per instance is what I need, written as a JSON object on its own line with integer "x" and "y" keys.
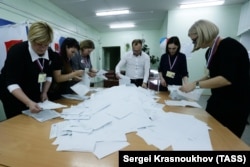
{"x": 64, "y": 78}
{"x": 173, "y": 65}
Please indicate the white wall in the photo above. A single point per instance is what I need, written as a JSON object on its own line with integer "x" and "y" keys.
{"x": 20, "y": 11}
{"x": 179, "y": 21}
{"x": 152, "y": 39}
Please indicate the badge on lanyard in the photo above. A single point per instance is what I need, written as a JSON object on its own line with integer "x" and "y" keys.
{"x": 41, "y": 77}
{"x": 170, "y": 74}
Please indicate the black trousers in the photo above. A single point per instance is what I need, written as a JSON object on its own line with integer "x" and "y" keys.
{"x": 232, "y": 114}
{"x": 137, "y": 82}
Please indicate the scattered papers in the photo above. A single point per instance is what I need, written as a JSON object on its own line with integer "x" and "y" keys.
{"x": 182, "y": 103}
{"x": 111, "y": 113}
{"x": 75, "y": 97}
{"x": 181, "y": 131}
{"x": 124, "y": 80}
{"x": 43, "y": 115}
{"x": 80, "y": 88}
{"x": 50, "y": 105}
{"x": 176, "y": 94}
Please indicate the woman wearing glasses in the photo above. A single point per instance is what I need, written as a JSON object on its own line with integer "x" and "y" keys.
{"x": 228, "y": 78}
{"x": 82, "y": 61}
{"x": 27, "y": 72}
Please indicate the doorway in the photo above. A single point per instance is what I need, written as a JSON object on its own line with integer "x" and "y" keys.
{"x": 111, "y": 57}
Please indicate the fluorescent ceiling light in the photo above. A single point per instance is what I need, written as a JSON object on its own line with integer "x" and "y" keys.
{"x": 122, "y": 25}
{"x": 201, "y": 4}
{"x": 115, "y": 12}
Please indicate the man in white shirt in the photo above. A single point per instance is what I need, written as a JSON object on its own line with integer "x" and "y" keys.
{"x": 137, "y": 65}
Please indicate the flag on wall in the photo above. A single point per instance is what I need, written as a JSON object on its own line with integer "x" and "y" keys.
{"x": 10, "y": 35}
{"x": 57, "y": 41}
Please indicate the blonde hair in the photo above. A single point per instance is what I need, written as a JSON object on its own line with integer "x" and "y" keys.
{"x": 206, "y": 32}
{"x": 40, "y": 32}
{"x": 87, "y": 44}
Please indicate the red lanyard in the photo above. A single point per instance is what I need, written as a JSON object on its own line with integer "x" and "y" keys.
{"x": 39, "y": 64}
{"x": 212, "y": 51}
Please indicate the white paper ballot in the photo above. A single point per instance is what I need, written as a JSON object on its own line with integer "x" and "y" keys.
{"x": 100, "y": 74}
{"x": 124, "y": 80}
{"x": 85, "y": 79}
{"x": 50, "y": 105}
{"x": 80, "y": 89}
{"x": 43, "y": 115}
{"x": 182, "y": 103}
{"x": 75, "y": 97}
{"x": 176, "y": 94}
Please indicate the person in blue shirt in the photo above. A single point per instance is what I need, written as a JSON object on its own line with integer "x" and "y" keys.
{"x": 82, "y": 61}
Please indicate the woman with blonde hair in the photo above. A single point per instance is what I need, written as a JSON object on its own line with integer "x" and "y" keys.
{"x": 228, "y": 77}
{"x": 27, "y": 72}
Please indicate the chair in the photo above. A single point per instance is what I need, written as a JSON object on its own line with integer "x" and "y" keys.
{"x": 153, "y": 81}
{"x": 112, "y": 80}
{"x": 2, "y": 113}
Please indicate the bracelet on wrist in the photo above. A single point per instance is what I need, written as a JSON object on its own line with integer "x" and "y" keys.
{"x": 197, "y": 85}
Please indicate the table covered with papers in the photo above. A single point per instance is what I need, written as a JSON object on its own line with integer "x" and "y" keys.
{"x": 91, "y": 132}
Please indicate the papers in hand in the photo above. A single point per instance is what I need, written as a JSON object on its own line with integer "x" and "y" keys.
{"x": 176, "y": 94}
{"x": 100, "y": 74}
{"x": 50, "y": 105}
{"x": 182, "y": 103}
{"x": 80, "y": 88}
{"x": 43, "y": 115}
{"x": 124, "y": 80}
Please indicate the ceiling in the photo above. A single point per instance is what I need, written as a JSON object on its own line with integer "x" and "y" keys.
{"x": 145, "y": 14}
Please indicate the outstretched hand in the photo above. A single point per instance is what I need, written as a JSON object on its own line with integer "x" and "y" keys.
{"x": 187, "y": 87}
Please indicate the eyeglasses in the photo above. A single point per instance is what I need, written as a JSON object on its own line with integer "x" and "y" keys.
{"x": 194, "y": 40}
{"x": 40, "y": 45}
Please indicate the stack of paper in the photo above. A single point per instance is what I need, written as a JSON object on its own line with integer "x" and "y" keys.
{"x": 110, "y": 114}
{"x": 43, "y": 115}
{"x": 176, "y": 94}
{"x": 183, "y": 103}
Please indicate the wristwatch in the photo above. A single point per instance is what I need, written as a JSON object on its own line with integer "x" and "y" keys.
{"x": 197, "y": 85}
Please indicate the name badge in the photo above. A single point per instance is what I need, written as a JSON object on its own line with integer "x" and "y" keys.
{"x": 41, "y": 77}
{"x": 170, "y": 74}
